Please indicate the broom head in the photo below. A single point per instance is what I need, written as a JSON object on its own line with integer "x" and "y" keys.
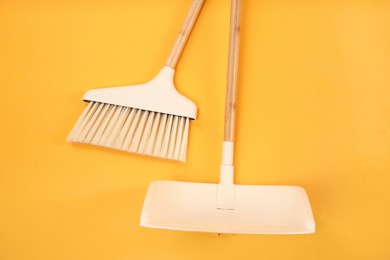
{"x": 150, "y": 118}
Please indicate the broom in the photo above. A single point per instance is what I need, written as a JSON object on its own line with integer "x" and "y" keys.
{"x": 150, "y": 118}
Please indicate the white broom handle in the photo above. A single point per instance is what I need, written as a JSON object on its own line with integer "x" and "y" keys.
{"x": 184, "y": 33}
{"x": 231, "y": 87}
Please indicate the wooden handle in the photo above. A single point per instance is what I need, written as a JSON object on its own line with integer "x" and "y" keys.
{"x": 184, "y": 33}
{"x": 231, "y": 87}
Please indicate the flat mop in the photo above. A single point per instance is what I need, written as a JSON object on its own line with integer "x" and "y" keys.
{"x": 227, "y": 207}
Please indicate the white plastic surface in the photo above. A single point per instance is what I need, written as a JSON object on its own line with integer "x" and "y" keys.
{"x": 189, "y": 206}
{"x": 226, "y": 196}
{"x": 226, "y": 174}
{"x": 227, "y": 153}
{"x": 158, "y": 95}
{"x": 227, "y": 168}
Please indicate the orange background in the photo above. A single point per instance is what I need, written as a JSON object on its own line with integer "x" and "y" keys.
{"x": 313, "y": 110}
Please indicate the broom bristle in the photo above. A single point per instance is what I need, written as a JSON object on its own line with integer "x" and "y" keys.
{"x": 132, "y": 130}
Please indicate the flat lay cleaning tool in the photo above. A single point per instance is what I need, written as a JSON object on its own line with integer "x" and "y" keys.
{"x": 226, "y": 207}
{"x": 150, "y": 118}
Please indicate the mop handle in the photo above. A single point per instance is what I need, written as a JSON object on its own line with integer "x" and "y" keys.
{"x": 185, "y": 31}
{"x": 231, "y": 87}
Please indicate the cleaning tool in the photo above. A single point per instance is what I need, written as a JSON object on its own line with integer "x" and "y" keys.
{"x": 226, "y": 207}
{"x": 150, "y": 118}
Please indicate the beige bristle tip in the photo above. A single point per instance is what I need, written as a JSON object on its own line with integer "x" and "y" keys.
{"x": 132, "y": 130}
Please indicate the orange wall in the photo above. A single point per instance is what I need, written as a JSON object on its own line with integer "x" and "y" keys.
{"x": 313, "y": 110}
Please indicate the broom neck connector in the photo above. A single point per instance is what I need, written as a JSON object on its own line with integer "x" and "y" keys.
{"x": 227, "y": 168}
{"x": 227, "y": 153}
